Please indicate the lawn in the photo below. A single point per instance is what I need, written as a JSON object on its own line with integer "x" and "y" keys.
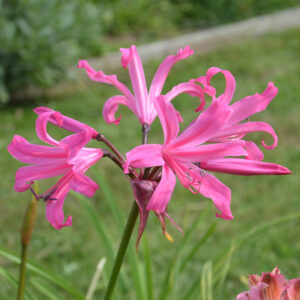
{"x": 75, "y": 251}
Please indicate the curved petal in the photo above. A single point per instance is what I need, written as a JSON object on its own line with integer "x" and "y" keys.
{"x": 248, "y": 127}
{"x": 144, "y": 156}
{"x": 219, "y": 193}
{"x": 251, "y": 105}
{"x": 206, "y": 126}
{"x": 168, "y": 118}
{"x": 41, "y": 128}
{"x": 25, "y": 176}
{"x": 230, "y": 83}
{"x": 189, "y": 88}
{"x": 244, "y": 167}
{"x": 208, "y": 152}
{"x": 163, "y": 192}
{"x": 83, "y": 184}
{"x": 111, "y": 106}
{"x": 164, "y": 69}
{"x": 54, "y": 210}
{"x": 293, "y": 290}
{"x": 131, "y": 59}
{"x": 65, "y": 122}
{"x": 108, "y": 79}
{"x": 28, "y": 153}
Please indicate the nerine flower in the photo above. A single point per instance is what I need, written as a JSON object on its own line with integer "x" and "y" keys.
{"x": 67, "y": 158}
{"x": 271, "y": 286}
{"x": 187, "y": 155}
{"x": 141, "y": 101}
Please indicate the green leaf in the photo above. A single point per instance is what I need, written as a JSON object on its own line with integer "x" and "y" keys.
{"x": 5, "y": 274}
{"x": 206, "y": 281}
{"x": 44, "y": 288}
{"x": 52, "y": 277}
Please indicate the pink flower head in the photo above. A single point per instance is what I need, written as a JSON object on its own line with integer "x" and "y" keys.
{"x": 141, "y": 101}
{"x": 187, "y": 155}
{"x": 67, "y": 157}
{"x": 271, "y": 286}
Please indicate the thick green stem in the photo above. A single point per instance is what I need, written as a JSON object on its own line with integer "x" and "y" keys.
{"x": 21, "y": 289}
{"x": 122, "y": 250}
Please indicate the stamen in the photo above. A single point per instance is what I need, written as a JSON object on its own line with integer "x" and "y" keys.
{"x": 168, "y": 237}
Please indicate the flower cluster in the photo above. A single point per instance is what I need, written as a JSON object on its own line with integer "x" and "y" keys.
{"x": 214, "y": 141}
{"x": 271, "y": 286}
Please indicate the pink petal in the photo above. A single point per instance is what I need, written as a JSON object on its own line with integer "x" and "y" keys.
{"x": 293, "y": 290}
{"x": 206, "y": 126}
{"x": 248, "y": 127}
{"x": 230, "y": 83}
{"x": 108, "y": 79}
{"x": 131, "y": 59}
{"x": 168, "y": 118}
{"x": 111, "y": 106}
{"x": 275, "y": 284}
{"x": 208, "y": 152}
{"x": 28, "y": 153}
{"x": 250, "y": 105}
{"x": 219, "y": 193}
{"x": 41, "y": 128}
{"x": 83, "y": 184}
{"x": 188, "y": 88}
{"x": 65, "y": 122}
{"x": 255, "y": 293}
{"x": 144, "y": 156}
{"x": 163, "y": 192}
{"x": 244, "y": 167}
{"x": 25, "y": 176}
{"x": 253, "y": 152}
{"x": 74, "y": 143}
{"x": 164, "y": 69}
{"x": 54, "y": 210}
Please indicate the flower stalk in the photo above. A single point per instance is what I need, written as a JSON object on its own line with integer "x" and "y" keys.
{"x": 26, "y": 232}
{"x": 122, "y": 250}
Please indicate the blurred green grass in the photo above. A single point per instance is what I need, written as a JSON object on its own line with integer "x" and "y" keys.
{"x": 74, "y": 252}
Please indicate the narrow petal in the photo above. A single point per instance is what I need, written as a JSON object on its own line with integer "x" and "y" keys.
{"x": 168, "y": 118}
{"x": 111, "y": 106}
{"x": 163, "y": 192}
{"x": 107, "y": 79}
{"x": 164, "y": 69}
{"x": 65, "y": 122}
{"x": 83, "y": 184}
{"x": 230, "y": 83}
{"x": 189, "y": 88}
{"x": 208, "y": 152}
{"x": 293, "y": 290}
{"x": 251, "y": 105}
{"x": 248, "y": 127}
{"x": 206, "y": 126}
{"x": 28, "y": 153}
{"x": 25, "y": 176}
{"x": 253, "y": 152}
{"x": 131, "y": 59}
{"x": 220, "y": 194}
{"x": 244, "y": 167}
{"x": 144, "y": 156}
{"x": 54, "y": 210}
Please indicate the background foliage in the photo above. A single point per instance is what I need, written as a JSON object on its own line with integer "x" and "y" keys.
{"x": 41, "y": 38}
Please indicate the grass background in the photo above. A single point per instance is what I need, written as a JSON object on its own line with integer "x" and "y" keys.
{"x": 74, "y": 252}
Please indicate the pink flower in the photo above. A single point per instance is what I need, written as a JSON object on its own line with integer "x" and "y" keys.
{"x": 187, "y": 156}
{"x": 141, "y": 101}
{"x": 67, "y": 157}
{"x": 271, "y": 286}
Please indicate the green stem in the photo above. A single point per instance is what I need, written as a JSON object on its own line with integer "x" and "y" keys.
{"x": 122, "y": 250}
{"x": 21, "y": 289}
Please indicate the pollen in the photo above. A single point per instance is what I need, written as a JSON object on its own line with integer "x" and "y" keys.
{"x": 168, "y": 237}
